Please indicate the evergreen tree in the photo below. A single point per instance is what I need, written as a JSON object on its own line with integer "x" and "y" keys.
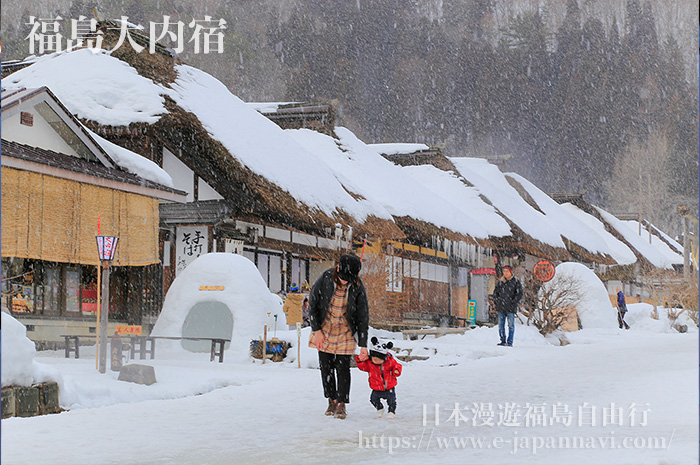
{"x": 527, "y": 90}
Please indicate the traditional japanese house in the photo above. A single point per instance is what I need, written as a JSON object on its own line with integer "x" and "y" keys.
{"x": 270, "y": 213}
{"x": 58, "y": 183}
{"x": 644, "y": 247}
{"x": 538, "y": 227}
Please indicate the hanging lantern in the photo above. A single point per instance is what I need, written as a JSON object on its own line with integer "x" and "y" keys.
{"x": 106, "y": 247}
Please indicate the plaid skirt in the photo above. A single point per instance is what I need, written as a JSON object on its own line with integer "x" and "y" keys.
{"x": 338, "y": 338}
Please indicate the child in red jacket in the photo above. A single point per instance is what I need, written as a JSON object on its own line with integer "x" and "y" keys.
{"x": 383, "y": 370}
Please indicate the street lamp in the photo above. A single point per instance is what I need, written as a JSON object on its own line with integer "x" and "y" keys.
{"x": 106, "y": 248}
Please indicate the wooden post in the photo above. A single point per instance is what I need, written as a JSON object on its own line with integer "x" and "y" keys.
{"x": 686, "y": 249}
{"x": 104, "y": 315}
{"x": 99, "y": 274}
{"x": 298, "y": 345}
{"x": 99, "y": 288}
{"x": 264, "y": 347}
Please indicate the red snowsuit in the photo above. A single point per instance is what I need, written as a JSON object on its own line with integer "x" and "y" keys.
{"x": 381, "y": 377}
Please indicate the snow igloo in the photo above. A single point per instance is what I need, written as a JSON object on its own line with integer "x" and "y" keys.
{"x": 218, "y": 295}
{"x": 594, "y": 308}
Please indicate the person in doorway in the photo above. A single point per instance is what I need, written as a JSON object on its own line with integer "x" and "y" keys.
{"x": 506, "y": 297}
{"x": 293, "y": 308}
{"x": 621, "y": 309}
{"x": 339, "y": 317}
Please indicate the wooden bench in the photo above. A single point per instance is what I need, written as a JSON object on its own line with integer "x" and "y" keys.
{"x": 217, "y": 345}
{"x": 146, "y": 345}
{"x": 73, "y": 343}
{"x": 437, "y": 332}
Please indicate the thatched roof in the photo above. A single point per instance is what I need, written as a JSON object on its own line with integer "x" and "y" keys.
{"x": 583, "y": 205}
{"x": 416, "y": 201}
{"x": 577, "y": 251}
{"x": 183, "y": 134}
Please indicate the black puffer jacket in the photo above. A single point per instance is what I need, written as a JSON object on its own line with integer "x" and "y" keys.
{"x": 357, "y": 311}
{"x": 507, "y": 295}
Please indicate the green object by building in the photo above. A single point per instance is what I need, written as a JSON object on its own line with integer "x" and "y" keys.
{"x": 471, "y": 312}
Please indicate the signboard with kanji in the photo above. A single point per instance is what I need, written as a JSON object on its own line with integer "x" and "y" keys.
{"x": 211, "y": 288}
{"x": 544, "y": 270}
{"x": 128, "y": 330}
{"x": 191, "y": 242}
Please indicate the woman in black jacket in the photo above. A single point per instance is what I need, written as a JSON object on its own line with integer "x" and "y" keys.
{"x": 339, "y": 315}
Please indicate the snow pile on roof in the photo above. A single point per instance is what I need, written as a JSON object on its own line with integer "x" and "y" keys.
{"x": 674, "y": 252}
{"x": 395, "y": 189}
{"x": 94, "y": 86}
{"x": 491, "y": 183}
{"x": 569, "y": 225}
{"x": 674, "y": 244}
{"x": 327, "y": 174}
{"x": 593, "y": 307}
{"x": 363, "y": 171}
{"x": 261, "y": 145}
{"x": 18, "y": 365}
{"x": 481, "y": 219}
{"x": 658, "y": 253}
{"x": 133, "y": 162}
{"x": 244, "y": 293}
{"x": 617, "y": 250}
{"x": 397, "y": 148}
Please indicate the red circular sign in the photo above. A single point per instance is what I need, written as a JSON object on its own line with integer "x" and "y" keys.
{"x": 544, "y": 270}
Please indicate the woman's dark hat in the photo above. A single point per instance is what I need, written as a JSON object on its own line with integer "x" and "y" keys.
{"x": 349, "y": 267}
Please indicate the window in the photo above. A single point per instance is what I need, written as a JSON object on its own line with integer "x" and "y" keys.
{"x": 51, "y": 285}
{"x": 72, "y": 290}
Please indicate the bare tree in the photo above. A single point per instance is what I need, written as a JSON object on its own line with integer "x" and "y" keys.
{"x": 385, "y": 305}
{"x": 641, "y": 184}
{"x": 548, "y": 305}
{"x": 677, "y": 295}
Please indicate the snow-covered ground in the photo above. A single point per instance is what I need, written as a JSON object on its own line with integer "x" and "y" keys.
{"x": 629, "y": 397}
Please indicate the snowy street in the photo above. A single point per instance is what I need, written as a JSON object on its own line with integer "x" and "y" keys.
{"x": 608, "y": 383}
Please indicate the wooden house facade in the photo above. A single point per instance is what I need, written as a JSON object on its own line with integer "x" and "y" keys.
{"x": 56, "y": 182}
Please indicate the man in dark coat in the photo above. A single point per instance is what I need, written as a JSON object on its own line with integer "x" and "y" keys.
{"x": 506, "y": 297}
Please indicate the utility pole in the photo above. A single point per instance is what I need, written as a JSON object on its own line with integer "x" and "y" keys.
{"x": 686, "y": 249}
{"x": 687, "y": 216}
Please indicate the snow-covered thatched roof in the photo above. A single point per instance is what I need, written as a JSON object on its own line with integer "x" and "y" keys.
{"x": 312, "y": 180}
